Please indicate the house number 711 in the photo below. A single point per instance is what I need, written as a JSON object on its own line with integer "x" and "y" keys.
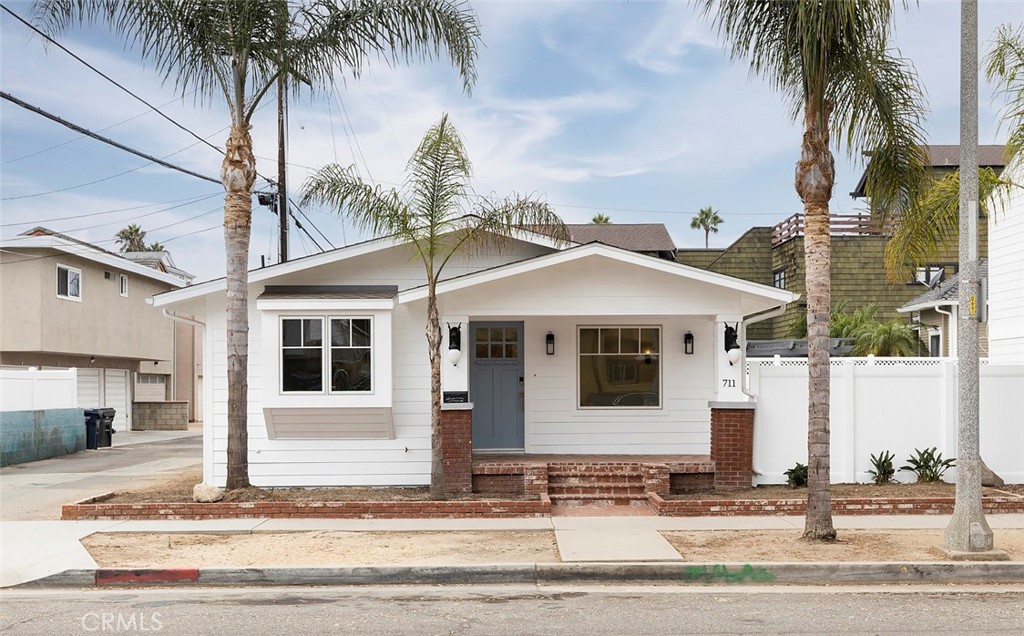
{"x": 729, "y": 383}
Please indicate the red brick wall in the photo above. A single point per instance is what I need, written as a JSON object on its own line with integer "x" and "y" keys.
{"x": 656, "y": 478}
{"x": 457, "y": 450}
{"x": 732, "y": 447}
{"x": 681, "y": 482}
{"x": 498, "y": 484}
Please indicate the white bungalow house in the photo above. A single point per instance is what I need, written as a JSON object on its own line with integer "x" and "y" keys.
{"x": 562, "y": 352}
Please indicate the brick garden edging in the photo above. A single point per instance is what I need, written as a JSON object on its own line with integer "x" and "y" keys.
{"x": 92, "y": 509}
{"x": 848, "y": 506}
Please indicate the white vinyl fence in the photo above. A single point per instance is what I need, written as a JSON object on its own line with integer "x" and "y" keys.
{"x": 38, "y": 390}
{"x": 884, "y": 404}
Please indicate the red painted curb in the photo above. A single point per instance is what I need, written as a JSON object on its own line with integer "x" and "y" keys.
{"x": 150, "y": 577}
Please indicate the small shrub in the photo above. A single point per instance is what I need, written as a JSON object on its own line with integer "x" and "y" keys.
{"x": 929, "y": 465}
{"x": 882, "y": 470}
{"x": 796, "y": 476}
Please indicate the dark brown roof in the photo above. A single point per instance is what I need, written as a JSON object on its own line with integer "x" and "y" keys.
{"x": 361, "y": 292}
{"x": 990, "y": 156}
{"x": 636, "y": 237}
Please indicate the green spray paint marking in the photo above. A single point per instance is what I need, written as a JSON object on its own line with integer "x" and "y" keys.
{"x": 722, "y": 574}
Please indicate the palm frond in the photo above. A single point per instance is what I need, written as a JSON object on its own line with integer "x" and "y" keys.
{"x": 1005, "y": 64}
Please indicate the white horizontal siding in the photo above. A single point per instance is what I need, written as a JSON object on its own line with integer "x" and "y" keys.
{"x": 1006, "y": 284}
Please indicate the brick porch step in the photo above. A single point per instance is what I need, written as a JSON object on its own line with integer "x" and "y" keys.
{"x": 610, "y": 488}
{"x": 599, "y": 499}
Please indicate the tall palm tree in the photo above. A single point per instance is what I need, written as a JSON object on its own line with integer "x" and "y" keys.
{"x": 708, "y": 220}
{"x": 131, "y": 239}
{"x": 156, "y": 246}
{"x": 601, "y": 219}
{"x": 432, "y": 213}
{"x": 236, "y": 50}
{"x": 832, "y": 63}
{"x": 936, "y": 218}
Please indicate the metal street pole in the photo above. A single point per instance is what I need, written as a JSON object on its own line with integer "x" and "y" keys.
{"x": 968, "y": 532}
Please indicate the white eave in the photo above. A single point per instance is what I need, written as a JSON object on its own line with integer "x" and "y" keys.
{"x": 781, "y": 296}
{"x": 89, "y": 253}
{"x": 931, "y": 304}
{"x": 316, "y": 260}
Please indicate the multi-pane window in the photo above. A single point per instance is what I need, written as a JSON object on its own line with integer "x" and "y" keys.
{"x": 779, "y": 278}
{"x": 496, "y": 343}
{"x": 307, "y": 357}
{"x": 929, "y": 275}
{"x": 350, "y": 354}
{"x": 69, "y": 282}
{"x": 619, "y": 366}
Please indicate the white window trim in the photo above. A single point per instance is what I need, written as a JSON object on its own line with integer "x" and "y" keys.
{"x": 325, "y": 353}
{"x": 661, "y": 371}
{"x": 77, "y": 298}
{"x": 123, "y": 285}
{"x": 270, "y": 344}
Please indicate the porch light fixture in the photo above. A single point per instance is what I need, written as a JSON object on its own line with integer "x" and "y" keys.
{"x": 688, "y": 343}
{"x": 454, "y": 343}
{"x": 549, "y": 343}
{"x": 732, "y": 346}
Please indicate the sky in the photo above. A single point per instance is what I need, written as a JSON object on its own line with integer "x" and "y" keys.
{"x": 627, "y": 108}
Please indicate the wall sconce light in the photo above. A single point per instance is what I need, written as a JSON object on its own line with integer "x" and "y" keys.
{"x": 454, "y": 343}
{"x": 549, "y": 343}
{"x": 732, "y": 345}
{"x": 92, "y": 360}
{"x": 688, "y": 343}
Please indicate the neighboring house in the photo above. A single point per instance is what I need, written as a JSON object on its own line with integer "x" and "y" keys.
{"x": 936, "y": 312}
{"x": 70, "y": 304}
{"x": 775, "y": 256}
{"x": 565, "y": 350}
{"x": 651, "y": 239}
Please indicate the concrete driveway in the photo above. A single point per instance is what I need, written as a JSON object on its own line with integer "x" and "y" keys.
{"x": 37, "y": 490}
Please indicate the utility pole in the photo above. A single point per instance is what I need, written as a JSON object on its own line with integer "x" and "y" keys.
{"x": 282, "y": 190}
{"x": 968, "y": 533}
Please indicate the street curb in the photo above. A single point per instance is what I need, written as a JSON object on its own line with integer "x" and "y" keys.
{"x": 667, "y": 573}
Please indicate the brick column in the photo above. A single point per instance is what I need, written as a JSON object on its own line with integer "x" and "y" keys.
{"x": 732, "y": 443}
{"x": 656, "y": 478}
{"x": 535, "y": 479}
{"x": 457, "y": 447}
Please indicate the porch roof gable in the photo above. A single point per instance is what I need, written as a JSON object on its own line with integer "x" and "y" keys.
{"x": 779, "y": 296}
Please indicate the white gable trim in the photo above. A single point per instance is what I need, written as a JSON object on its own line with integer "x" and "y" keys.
{"x": 613, "y": 253}
{"x": 92, "y": 254}
{"x": 317, "y": 260}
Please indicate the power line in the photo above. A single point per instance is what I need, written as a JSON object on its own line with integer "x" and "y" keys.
{"x": 98, "y": 137}
{"x": 187, "y": 201}
{"x": 106, "y": 77}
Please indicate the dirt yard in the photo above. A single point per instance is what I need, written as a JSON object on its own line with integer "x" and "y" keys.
{"x": 721, "y": 546}
{"x": 178, "y": 489}
{"x": 322, "y": 548}
{"x": 329, "y": 548}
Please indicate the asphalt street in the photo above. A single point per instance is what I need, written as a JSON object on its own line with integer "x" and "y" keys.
{"x": 523, "y": 610}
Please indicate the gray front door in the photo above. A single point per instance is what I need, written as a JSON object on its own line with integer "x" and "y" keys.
{"x": 496, "y": 385}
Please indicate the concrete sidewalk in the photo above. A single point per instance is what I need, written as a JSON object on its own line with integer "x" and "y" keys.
{"x": 36, "y": 549}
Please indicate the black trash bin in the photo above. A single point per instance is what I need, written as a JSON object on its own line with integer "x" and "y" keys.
{"x": 92, "y": 421}
{"x": 105, "y": 427}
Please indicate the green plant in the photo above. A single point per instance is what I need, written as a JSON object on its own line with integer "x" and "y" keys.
{"x": 928, "y": 464}
{"x": 796, "y": 476}
{"x": 882, "y": 469}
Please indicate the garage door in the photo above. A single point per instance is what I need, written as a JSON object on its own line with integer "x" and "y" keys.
{"x": 116, "y": 396}
{"x": 89, "y": 395}
{"x": 106, "y": 387}
{"x": 150, "y": 387}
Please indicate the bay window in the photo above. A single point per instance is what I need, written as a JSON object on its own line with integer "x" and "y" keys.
{"x": 619, "y": 367}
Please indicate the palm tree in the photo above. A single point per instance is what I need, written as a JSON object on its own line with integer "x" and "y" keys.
{"x": 601, "y": 219}
{"x": 708, "y": 220}
{"x": 431, "y": 213}
{"x": 832, "y": 63}
{"x": 131, "y": 239}
{"x": 156, "y": 246}
{"x": 892, "y": 338}
{"x": 237, "y": 50}
{"x": 936, "y": 218}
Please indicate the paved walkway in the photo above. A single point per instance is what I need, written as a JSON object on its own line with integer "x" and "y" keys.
{"x": 34, "y": 549}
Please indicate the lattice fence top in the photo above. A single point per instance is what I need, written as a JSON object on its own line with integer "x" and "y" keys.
{"x": 868, "y": 361}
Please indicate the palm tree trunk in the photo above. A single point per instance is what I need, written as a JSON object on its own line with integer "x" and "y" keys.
{"x": 238, "y": 173}
{"x": 707, "y": 234}
{"x": 815, "y": 176}
{"x": 437, "y": 486}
